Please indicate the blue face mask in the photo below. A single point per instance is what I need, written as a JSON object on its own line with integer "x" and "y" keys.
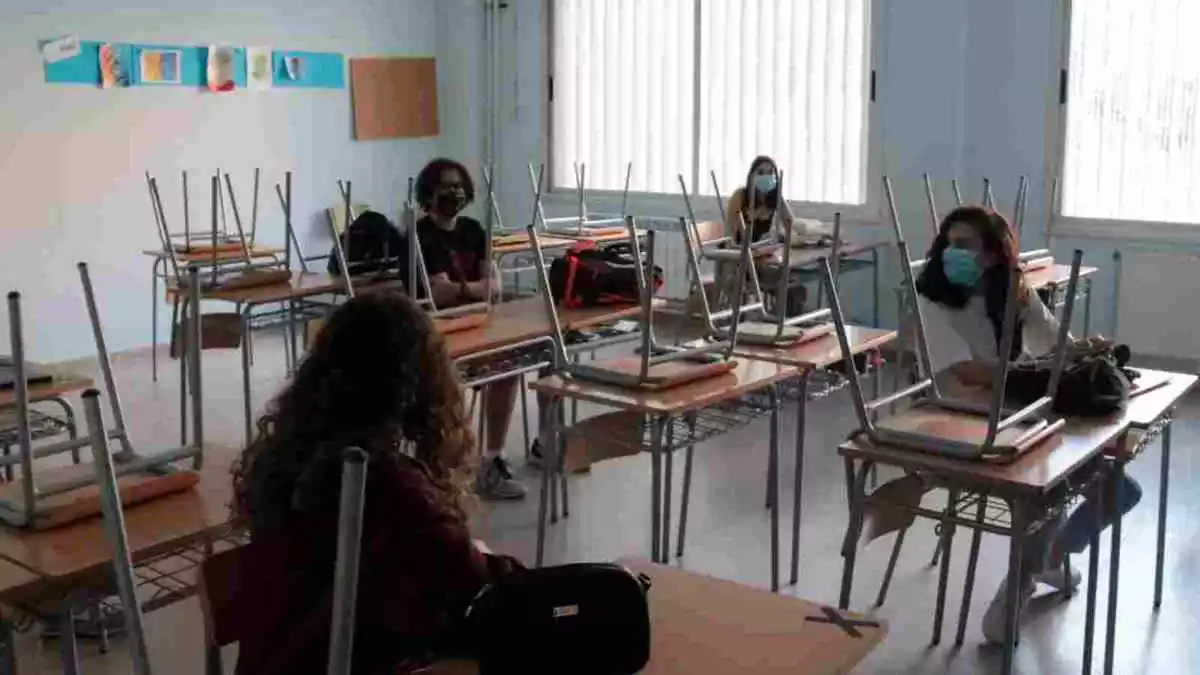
{"x": 765, "y": 183}
{"x": 961, "y": 267}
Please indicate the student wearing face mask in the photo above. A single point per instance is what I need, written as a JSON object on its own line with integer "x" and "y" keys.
{"x": 963, "y": 288}
{"x": 454, "y": 248}
{"x": 756, "y": 203}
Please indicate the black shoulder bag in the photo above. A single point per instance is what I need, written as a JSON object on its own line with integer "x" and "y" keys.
{"x": 587, "y": 619}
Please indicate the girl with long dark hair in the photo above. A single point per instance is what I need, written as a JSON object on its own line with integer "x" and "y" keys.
{"x": 963, "y": 289}
{"x": 378, "y": 377}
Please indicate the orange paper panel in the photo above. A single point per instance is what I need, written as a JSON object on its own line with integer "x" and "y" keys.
{"x": 394, "y": 97}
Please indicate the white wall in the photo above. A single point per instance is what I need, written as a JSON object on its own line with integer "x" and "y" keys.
{"x": 72, "y": 157}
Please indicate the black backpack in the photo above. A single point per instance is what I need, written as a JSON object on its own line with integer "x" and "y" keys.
{"x": 372, "y": 244}
{"x": 1095, "y": 381}
{"x": 587, "y": 276}
{"x": 586, "y": 619}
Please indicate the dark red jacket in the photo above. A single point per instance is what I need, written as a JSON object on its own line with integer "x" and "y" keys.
{"x": 419, "y": 570}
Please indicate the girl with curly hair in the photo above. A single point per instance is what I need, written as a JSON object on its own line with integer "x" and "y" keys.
{"x": 378, "y": 377}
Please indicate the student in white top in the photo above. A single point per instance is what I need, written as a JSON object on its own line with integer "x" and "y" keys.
{"x": 963, "y": 288}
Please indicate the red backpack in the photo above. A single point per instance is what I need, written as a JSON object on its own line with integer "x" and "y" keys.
{"x": 587, "y": 276}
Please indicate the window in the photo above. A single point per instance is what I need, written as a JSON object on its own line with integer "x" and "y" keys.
{"x": 1132, "y": 125}
{"x": 693, "y": 86}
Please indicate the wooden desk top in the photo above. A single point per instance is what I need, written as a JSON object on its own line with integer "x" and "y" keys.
{"x": 1145, "y": 409}
{"x": 1036, "y": 472}
{"x": 1054, "y": 275}
{"x": 602, "y": 238}
{"x": 547, "y": 241}
{"x": 222, "y": 256}
{"x": 514, "y": 322}
{"x": 60, "y": 386}
{"x": 819, "y": 352}
{"x": 750, "y": 375}
{"x": 301, "y": 285}
{"x": 700, "y": 625}
{"x": 152, "y": 527}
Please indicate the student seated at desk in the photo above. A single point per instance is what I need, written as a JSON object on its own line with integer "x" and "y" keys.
{"x": 454, "y": 248}
{"x": 963, "y": 289}
{"x": 756, "y": 202}
{"x": 378, "y": 377}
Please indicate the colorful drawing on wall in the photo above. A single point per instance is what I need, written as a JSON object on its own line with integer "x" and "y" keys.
{"x": 114, "y": 72}
{"x": 220, "y": 68}
{"x": 161, "y": 66}
{"x": 258, "y": 67}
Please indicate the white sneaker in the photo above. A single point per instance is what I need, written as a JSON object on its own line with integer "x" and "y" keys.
{"x": 1058, "y": 578}
{"x": 993, "y": 619}
{"x": 496, "y": 482}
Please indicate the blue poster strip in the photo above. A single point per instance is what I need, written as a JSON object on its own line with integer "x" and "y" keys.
{"x": 318, "y": 70}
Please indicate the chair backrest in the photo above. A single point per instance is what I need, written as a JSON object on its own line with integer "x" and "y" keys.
{"x": 220, "y": 580}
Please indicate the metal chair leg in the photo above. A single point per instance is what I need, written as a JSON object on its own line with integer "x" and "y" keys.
{"x": 522, "y": 392}
{"x": 891, "y": 568}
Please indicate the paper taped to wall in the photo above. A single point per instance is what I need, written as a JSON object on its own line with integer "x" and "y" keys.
{"x": 61, "y": 49}
{"x": 258, "y": 67}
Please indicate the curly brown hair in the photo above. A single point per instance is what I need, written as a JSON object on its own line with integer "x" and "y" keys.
{"x": 378, "y": 376}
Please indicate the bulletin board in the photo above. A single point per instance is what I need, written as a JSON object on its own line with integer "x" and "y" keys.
{"x": 394, "y": 97}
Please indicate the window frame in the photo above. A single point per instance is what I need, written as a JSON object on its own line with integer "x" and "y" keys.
{"x": 670, "y": 205}
{"x": 1060, "y": 225}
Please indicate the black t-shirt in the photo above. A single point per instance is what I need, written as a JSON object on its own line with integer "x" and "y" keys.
{"x": 457, "y": 253}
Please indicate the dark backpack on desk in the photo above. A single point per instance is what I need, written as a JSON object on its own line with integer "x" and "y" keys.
{"x": 588, "y": 275}
{"x": 585, "y": 619}
{"x": 1095, "y": 381}
{"x": 372, "y": 244}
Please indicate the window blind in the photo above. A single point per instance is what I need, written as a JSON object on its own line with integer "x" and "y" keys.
{"x": 654, "y": 83}
{"x": 1132, "y": 134}
{"x": 789, "y": 79}
{"x": 623, "y": 92}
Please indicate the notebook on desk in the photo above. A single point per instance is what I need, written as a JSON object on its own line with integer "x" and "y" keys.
{"x": 764, "y": 333}
{"x": 33, "y": 375}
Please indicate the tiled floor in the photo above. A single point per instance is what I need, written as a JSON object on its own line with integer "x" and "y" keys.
{"x": 728, "y": 538}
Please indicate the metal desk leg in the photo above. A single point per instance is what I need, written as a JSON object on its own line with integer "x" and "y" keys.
{"x": 1114, "y": 569}
{"x": 656, "y": 437}
{"x": 1164, "y": 480}
{"x": 687, "y": 482}
{"x": 154, "y": 320}
{"x": 891, "y": 567}
{"x": 858, "y": 497}
{"x": 1087, "y": 306}
{"x": 1016, "y": 548}
{"x": 773, "y": 462}
{"x": 183, "y": 375}
{"x": 68, "y": 647}
{"x": 291, "y": 319}
{"x": 877, "y": 383}
{"x": 798, "y": 486}
{"x": 246, "y": 403}
{"x": 969, "y": 585}
{"x": 948, "y": 516}
{"x": 547, "y": 433}
{"x": 1089, "y": 618}
{"x": 668, "y": 478}
{"x": 875, "y": 286}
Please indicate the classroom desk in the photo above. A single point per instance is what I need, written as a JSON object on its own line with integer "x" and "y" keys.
{"x": 707, "y": 408}
{"x": 700, "y": 625}
{"x": 42, "y": 425}
{"x": 158, "y": 270}
{"x": 807, "y": 358}
{"x": 1032, "y": 486}
{"x": 1151, "y": 415}
{"x": 41, "y": 572}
